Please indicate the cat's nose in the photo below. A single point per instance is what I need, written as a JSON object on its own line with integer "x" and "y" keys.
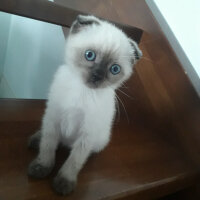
{"x": 98, "y": 75}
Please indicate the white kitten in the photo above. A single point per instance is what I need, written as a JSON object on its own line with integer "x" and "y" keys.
{"x": 81, "y": 104}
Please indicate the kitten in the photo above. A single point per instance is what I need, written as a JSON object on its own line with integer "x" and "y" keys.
{"x": 81, "y": 104}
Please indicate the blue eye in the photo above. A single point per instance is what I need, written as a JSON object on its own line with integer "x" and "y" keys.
{"x": 115, "y": 69}
{"x": 90, "y": 55}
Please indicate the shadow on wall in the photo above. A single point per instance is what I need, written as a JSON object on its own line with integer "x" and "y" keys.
{"x": 31, "y": 52}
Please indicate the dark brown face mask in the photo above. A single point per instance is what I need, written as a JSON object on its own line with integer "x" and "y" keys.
{"x": 98, "y": 72}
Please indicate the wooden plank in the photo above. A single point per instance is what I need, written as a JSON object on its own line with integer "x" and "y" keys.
{"x": 139, "y": 163}
{"x": 21, "y": 110}
{"x": 40, "y": 10}
{"x": 143, "y": 160}
{"x": 53, "y": 13}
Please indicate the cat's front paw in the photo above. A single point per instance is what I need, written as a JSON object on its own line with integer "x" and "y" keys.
{"x": 62, "y": 185}
{"x": 37, "y": 170}
{"x": 34, "y": 141}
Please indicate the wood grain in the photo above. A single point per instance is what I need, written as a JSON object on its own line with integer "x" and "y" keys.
{"x": 137, "y": 162}
{"x": 154, "y": 154}
{"x": 54, "y": 13}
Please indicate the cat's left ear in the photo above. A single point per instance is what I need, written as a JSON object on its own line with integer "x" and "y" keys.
{"x": 137, "y": 53}
{"x": 83, "y": 21}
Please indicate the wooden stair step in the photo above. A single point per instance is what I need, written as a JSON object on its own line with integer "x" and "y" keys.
{"x": 138, "y": 162}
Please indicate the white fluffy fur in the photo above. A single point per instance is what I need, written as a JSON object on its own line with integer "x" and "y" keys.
{"x": 105, "y": 37}
{"x": 82, "y": 117}
{"x": 76, "y": 115}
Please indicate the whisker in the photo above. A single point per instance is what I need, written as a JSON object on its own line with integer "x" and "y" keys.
{"x": 118, "y": 110}
{"x": 125, "y": 94}
{"x": 123, "y": 108}
{"x": 124, "y": 86}
{"x": 119, "y": 100}
{"x": 145, "y": 58}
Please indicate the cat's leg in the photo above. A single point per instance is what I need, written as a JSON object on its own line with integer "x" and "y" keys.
{"x": 44, "y": 162}
{"x": 65, "y": 180}
{"x": 34, "y": 141}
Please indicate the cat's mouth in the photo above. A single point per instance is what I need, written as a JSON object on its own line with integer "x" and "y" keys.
{"x": 94, "y": 84}
{"x": 96, "y": 77}
{"x": 95, "y": 81}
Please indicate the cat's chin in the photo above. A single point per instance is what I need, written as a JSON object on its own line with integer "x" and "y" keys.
{"x": 101, "y": 85}
{"x": 95, "y": 85}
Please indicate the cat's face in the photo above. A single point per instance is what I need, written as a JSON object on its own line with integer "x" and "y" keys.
{"x": 101, "y": 53}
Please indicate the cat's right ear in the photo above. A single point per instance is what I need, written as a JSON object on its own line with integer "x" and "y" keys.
{"x": 82, "y": 21}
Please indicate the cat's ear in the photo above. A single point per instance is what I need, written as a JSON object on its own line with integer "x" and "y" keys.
{"x": 82, "y": 21}
{"x": 137, "y": 53}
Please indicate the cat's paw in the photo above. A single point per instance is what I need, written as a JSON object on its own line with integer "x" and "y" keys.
{"x": 37, "y": 170}
{"x": 34, "y": 141}
{"x": 62, "y": 185}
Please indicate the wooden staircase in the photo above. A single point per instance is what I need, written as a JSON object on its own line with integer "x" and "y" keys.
{"x": 152, "y": 154}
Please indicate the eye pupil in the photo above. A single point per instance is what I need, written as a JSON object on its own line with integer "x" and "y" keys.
{"x": 115, "y": 69}
{"x": 90, "y": 55}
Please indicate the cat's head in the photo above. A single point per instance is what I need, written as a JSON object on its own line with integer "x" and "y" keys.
{"x": 102, "y": 54}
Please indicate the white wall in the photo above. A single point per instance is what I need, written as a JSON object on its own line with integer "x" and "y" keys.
{"x": 179, "y": 21}
{"x": 34, "y": 51}
{"x": 5, "y": 20}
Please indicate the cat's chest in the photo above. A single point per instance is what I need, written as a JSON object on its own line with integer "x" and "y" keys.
{"x": 74, "y": 103}
{"x": 68, "y": 91}
{"x": 86, "y": 102}
{"x": 80, "y": 109}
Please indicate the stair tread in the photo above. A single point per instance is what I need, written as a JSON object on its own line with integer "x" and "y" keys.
{"x": 137, "y": 160}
